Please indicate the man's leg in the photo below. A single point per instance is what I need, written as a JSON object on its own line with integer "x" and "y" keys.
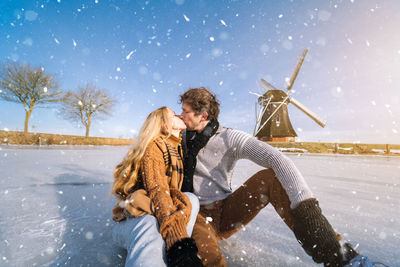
{"x": 309, "y": 225}
{"x": 207, "y": 242}
{"x": 248, "y": 200}
{"x": 317, "y": 237}
{"x": 226, "y": 217}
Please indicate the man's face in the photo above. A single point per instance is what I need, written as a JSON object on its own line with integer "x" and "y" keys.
{"x": 192, "y": 121}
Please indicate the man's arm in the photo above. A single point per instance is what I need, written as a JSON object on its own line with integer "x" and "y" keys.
{"x": 248, "y": 147}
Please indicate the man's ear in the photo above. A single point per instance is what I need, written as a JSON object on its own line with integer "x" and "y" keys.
{"x": 204, "y": 117}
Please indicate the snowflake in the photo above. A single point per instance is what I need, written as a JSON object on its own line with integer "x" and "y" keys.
{"x": 89, "y": 235}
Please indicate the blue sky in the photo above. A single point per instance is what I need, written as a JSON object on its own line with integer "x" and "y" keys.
{"x": 146, "y": 53}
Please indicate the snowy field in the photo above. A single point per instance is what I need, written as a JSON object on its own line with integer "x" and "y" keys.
{"x": 56, "y": 209}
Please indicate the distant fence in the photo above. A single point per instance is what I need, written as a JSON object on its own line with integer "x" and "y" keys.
{"x": 21, "y": 138}
{"x": 338, "y": 148}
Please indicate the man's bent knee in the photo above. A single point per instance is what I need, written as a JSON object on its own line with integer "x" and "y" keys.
{"x": 266, "y": 173}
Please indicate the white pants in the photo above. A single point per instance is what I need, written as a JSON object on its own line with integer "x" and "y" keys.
{"x": 142, "y": 239}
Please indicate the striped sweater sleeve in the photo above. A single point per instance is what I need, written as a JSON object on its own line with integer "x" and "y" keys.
{"x": 248, "y": 147}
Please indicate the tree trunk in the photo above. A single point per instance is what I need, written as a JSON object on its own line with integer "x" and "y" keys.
{"x": 88, "y": 126}
{"x": 27, "y": 116}
{"x": 87, "y": 130}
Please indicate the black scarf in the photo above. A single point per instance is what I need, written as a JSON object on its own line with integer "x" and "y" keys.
{"x": 194, "y": 142}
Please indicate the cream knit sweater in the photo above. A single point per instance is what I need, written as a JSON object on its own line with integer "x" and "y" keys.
{"x": 216, "y": 161}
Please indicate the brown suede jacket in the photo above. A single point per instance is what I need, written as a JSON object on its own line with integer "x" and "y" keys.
{"x": 161, "y": 174}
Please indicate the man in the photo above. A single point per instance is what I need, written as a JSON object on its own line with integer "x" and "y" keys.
{"x": 211, "y": 154}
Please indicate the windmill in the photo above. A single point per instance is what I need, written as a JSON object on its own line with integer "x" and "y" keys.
{"x": 272, "y": 117}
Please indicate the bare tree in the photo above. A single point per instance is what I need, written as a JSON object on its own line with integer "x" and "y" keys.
{"x": 86, "y": 104}
{"x": 29, "y": 86}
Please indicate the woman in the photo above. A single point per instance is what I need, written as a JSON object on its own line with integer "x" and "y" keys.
{"x": 147, "y": 182}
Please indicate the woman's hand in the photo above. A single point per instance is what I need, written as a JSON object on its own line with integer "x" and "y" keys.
{"x": 138, "y": 203}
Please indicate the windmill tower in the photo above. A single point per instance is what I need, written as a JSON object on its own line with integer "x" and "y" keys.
{"x": 272, "y": 117}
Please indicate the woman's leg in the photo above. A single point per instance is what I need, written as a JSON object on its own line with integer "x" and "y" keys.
{"x": 142, "y": 239}
{"x": 193, "y": 215}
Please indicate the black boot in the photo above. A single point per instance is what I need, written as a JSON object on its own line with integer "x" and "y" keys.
{"x": 317, "y": 237}
{"x": 348, "y": 252}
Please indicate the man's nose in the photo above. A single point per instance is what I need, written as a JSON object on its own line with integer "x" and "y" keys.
{"x": 180, "y": 116}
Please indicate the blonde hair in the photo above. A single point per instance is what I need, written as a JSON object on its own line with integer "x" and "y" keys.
{"x": 126, "y": 173}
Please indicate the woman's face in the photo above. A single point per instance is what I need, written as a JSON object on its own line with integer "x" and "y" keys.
{"x": 175, "y": 122}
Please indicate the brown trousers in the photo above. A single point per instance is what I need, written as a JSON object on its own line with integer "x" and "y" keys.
{"x": 229, "y": 215}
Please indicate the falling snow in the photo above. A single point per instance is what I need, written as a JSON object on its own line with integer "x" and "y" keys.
{"x": 89, "y": 235}
{"x": 130, "y": 54}
{"x": 186, "y": 18}
{"x": 31, "y": 15}
{"x": 174, "y": 34}
{"x": 268, "y": 37}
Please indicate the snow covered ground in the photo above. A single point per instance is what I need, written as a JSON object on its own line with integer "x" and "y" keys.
{"x": 56, "y": 209}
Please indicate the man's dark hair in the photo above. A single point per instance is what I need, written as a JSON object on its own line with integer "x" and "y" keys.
{"x": 201, "y": 99}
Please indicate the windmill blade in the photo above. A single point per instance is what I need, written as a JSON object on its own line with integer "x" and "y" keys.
{"x": 296, "y": 71}
{"x": 252, "y": 93}
{"x": 309, "y": 113}
{"x": 267, "y": 85}
{"x": 258, "y": 117}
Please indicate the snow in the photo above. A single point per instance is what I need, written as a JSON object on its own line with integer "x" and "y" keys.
{"x": 345, "y": 148}
{"x": 186, "y": 18}
{"x": 292, "y": 149}
{"x": 56, "y": 208}
{"x": 130, "y": 54}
